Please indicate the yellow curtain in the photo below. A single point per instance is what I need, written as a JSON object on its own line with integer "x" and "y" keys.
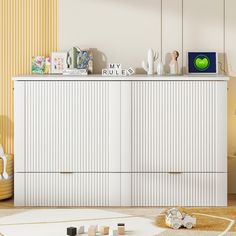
{"x": 27, "y": 28}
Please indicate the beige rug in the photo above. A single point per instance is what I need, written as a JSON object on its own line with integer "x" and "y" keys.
{"x": 139, "y": 221}
{"x": 48, "y": 222}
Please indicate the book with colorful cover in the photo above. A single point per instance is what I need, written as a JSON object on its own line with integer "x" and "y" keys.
{"x": 38, "y": 65}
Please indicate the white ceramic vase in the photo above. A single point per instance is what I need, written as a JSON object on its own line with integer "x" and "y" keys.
{"x": 149, "y": 65}
{"x": 160, "y": 68}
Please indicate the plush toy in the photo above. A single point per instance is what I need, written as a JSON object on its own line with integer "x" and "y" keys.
{"x": 4, "y": 158}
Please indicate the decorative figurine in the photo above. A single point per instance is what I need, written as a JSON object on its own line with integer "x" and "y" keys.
{"x": 72, "y": 231}
{"x": 104, "y": 230}
{"x": 121, "y": 228}
{"x": 174, "y": 66}
{"x": 175, "y": 219}
{"x": 149, "y": 66}
{"x": 160, "y": 68}
{"x": 72, "y": 57}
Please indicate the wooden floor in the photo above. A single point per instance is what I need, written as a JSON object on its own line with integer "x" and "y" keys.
{"x": 10, "y": 202}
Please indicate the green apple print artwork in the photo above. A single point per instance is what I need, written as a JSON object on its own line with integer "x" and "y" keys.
{"x": 201, "y": 62}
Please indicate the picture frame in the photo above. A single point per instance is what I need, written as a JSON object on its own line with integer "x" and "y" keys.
{"x": 38, "y": 65}
{"x": 58, "y": 62}
{"x": 207, "y": 67}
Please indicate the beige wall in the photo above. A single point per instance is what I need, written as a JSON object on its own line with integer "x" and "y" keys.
{"x": 230, "y": 44}
{"x": 120, "y": 31}
{"x": 231, "y": 59}
{"x": 123, "y": 31}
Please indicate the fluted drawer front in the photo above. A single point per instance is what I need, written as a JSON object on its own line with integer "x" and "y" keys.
{"x": 179, "y": 126}
{"x": 66, "y": 126}
{"x": 176, "y": 189}
{"x": 75, "y": 189}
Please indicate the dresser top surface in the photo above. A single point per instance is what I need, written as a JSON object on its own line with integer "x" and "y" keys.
{"x": 54, "y": 77}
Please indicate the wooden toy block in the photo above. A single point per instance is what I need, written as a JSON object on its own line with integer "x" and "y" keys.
{"x": 121, "y": 228}
{"x": 104, "y": 230}
{"x": 71, "y": 231}
{"x": 92, "y": 230}
{"x": 81, "y": 230}
{"x": 113, "y": 233}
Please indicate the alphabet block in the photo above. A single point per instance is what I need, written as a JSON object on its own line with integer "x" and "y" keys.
{"x": 104, "y": 230}
{"x": 114, "y": 66}
{"x": 105, "y": 72}
{"x": 130, "y": 71}
{"x": 113, "y": 72}
{"x": 123, "y": 72}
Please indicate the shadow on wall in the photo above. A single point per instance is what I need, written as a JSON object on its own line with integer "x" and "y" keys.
{"x": 100, "y": 60}
{"x": 6, "y": 132}
{"x": 222, "y": 64}
{"x": 229, "y": 68}
{"x": 167, "y": 62}
{"x": 140, "y": 70}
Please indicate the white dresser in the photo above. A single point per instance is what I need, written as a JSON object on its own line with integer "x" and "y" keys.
{"x": 138, "y": 141}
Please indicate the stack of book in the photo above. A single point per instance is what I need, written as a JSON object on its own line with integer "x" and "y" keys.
{"x": 75, "y": 71}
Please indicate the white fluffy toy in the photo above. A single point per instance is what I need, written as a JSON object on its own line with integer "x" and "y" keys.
{"x": 4, "y": 158}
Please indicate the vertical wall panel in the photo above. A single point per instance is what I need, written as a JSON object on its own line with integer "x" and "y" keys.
{"x": 203, "y": 27}
{"x": 171, "y": 31}
{"x": 230, "y": 20}
{"x": 27, "y": 28}
{"x": 118, "y": 31}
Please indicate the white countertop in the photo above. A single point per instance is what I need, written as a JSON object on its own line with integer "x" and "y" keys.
{"x": 120, "y": 78}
